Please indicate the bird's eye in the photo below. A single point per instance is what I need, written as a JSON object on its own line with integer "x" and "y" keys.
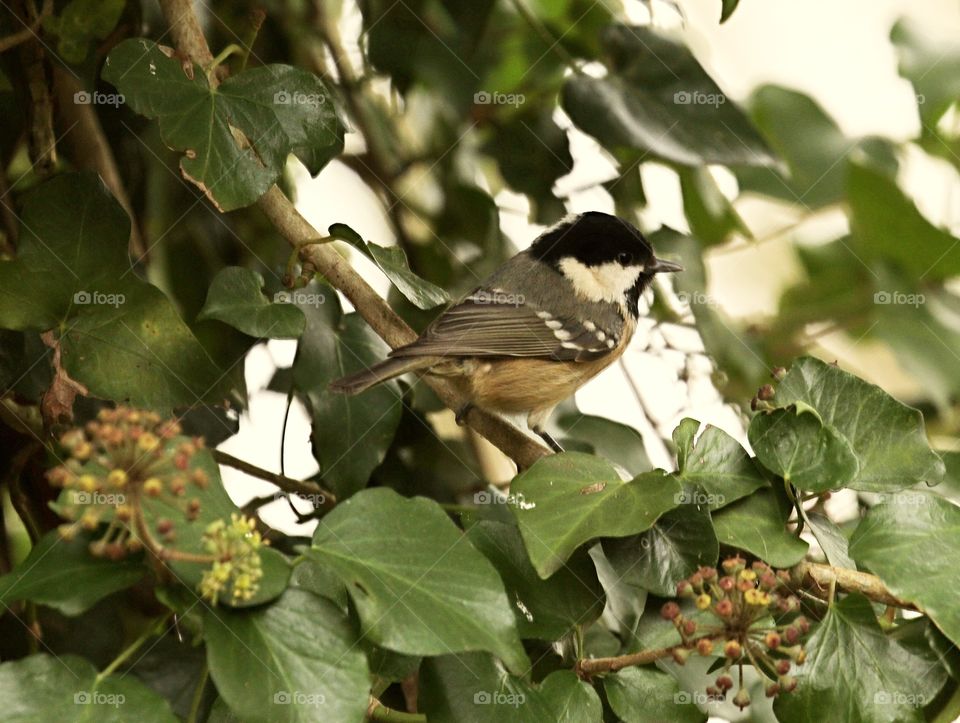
{"x": 624, "y": 258}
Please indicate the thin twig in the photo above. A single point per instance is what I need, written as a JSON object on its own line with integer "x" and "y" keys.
{"x": 586, "y": 667}
{"x": 301, "y": 488}
{"x": 824, "y": 578}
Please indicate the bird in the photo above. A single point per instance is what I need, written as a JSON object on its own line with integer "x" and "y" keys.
{"x": 544, "y": 323}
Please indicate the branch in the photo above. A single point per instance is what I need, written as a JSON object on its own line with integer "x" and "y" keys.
{"x": 378, "y": 711}
{"x": 188, "y": 37}
{"x": 301, "y": 488}
{"x": 821, "y": 577}
{"x": 586, "y": 667}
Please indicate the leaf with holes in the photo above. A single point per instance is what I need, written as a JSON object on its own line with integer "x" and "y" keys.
{"x": 418, "y": 584}
{"x": 280, "y": 109}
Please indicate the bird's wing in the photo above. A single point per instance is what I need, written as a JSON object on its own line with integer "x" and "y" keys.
{"x": 476, "y": 328}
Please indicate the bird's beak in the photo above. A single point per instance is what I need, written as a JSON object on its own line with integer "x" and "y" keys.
{"x": 660, "y": 266}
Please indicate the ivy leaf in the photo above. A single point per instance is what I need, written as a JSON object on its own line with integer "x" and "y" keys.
{"x": 793, "y": 442}
{"x": 710, "y": 214}
{"x": 474, "y": 687}
{"x": 896, "y": 541}
{"x": 715, "y": 462}
{"x": 62, "y": 574}
{"x": 236, "y": 298}
{"x": 119, "y": 336}
{"x": 626, "y": 596}
{"x": 681, "y": 541}
{"x": 393, "y": 263}
{"x": 568, "y": 499}
{"x": 615, "y": 442}
{"x": 427, "y": 594}
{"x": 831, "y": 539}
{"x": 80, "y": 23}
{"x": 757, "y": 524}
{"x": 66, "y": 687}
{"x": 545, "y": 609}
{"x": 658, "y": 98}
{"x": 351, "y": 434}
{"x": 882, "y": 215}
{"x": 727, "y": 8}
{"x": 855, "y": 672}
{"x": 295, "y": 660}
{"x": 932, "y": 69}
{"x": 886, "y": 436}
{"x": 280, "y": 109}
{"x": 648, "y": 695}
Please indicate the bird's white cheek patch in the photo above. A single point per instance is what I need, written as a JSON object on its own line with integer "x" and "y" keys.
{"x": 607, "y": 282}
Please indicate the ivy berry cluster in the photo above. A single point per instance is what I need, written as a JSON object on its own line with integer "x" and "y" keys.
{"x": 738, "y": 609}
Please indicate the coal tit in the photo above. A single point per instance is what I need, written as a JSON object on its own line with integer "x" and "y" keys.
{"x": 544, "y": 323}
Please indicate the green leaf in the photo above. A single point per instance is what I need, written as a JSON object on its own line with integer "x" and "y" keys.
{"x": 681, "y": 541}
{"x": 279, "y": 108}
{"x": 658, "y": 98}
{"x": 913, "y": 544}
{"x": 545, "y": 609}
{"x": 48, "y": 688}
{"x": 832, "y": 541}
{"x": 294, "y": 660}
{"x": 64, "y": 575}
{"x": 474, "y": 687}
{"x": 236, "y": 298}
{"x": 710, "y": 214}
{"x": 883, "y": 215}
{"x": 811, "y": 143}
{"x": 119, "y": 336}
{"x": 351, "y": 434}
{"x": 626, "y": 596}
{"x": 727, "y": 8}
{"x": 424, "y": 594}
{"x": 934, "y": 71}
{"x": 886, "y": 436}
{"x": 393, "y": 263}
{"x": 757, "y": 524}
{"x": 855, "y": 672}
{"x": 80, "y": 23}
{"x": 716, "y": 462}
{"x": 568, "y": 499}
{"x": 648, "y": 695}
{"x": 794, "y": 443}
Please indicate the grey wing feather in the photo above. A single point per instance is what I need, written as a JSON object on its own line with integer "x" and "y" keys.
{"x": 515, "y": 330}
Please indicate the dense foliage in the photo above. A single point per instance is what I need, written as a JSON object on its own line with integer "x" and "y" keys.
{"x": 145, "y": 249}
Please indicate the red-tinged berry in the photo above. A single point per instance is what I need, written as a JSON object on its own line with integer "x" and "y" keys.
{"x": 696, "y": 579}
{"x": 680, "y": 655}
{"x": 724, "y": 608}
{"x": 766, "y": 392}
{"x": 684, "y": 589}
{"x": 153, "y": 487}
{"x": 708, "y": 573}
{"x": 802, "y": 624}
{"x": 772, "y": 690}
{"x": 669, "y": 611}
{"x": 788, "y": 683}
{"x": 768, "y": 581}
{"x": 181, "y": 461}
{"x": 782, "y": 667}
{"x": 744, "y": 585}
{"x": 733, "y": 564}
{"x": 778, "y": 373}
{"x": 705, "y": 646}
{"x": 732, "y": 649}
{"x": 164, "y": 525}
{"x": 791, "y": 635}
{"x": 727, "y": 583}
{"x": 689, "y": 627}
{"x": 741, "y": 699}
{"x": 772, "y": 640}
{"x": 724, "y": 682}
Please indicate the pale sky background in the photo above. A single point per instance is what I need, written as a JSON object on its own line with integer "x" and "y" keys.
{"x": 837, "y": 51}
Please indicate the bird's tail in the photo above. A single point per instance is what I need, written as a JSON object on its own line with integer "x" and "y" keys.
{"x": 387, "y": 369}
